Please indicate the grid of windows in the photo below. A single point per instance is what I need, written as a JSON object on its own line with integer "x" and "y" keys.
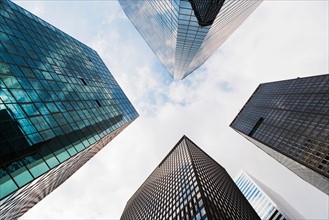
{"x": 218, "y": 188}
{"x": 294, "y": 125}
{"x": 259, "y": 200}
{"x": 20, "y": 201}
{"x": 173, "y": 32}
{"x": 156, "y": 22}
{"x": 188, "y": 185}
{"x": 57, "y": 98}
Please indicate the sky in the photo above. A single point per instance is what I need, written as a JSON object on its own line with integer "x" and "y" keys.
{"x": 280, "y": 40}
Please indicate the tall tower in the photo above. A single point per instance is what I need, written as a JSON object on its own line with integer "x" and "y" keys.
{"x": 266, "y": 203}
{"x": 59, "y": 105}
{"x": 289, "y": 120}
{"x": 183, "y": 34}
{"x": 188, "y": 184}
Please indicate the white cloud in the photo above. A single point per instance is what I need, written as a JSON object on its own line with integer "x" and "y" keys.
{"x": 280, "y": 40}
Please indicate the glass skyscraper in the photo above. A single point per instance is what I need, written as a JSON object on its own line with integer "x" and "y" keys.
{"x": 185, "y": 33}
{"x": 289, "y": 120}
{"x": 260, "y": 200}
{"x": 59, "y": 105}
{"x": 188, "y": 184}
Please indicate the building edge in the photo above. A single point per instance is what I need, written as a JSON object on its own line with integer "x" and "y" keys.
{"x": 291, "y": 164}
{"x": 18, "y": 203}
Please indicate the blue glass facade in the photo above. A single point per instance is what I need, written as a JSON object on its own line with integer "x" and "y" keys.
{"x": 265, "y": 207}
{"x": 172, "y": 28}
{"x": 57, "y": 98}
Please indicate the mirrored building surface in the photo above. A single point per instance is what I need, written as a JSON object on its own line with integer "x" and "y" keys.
{"x": 267, "y": 204}
{"x": 185, "y": 33}
{"x": 59, "y": 105}
{"x": 289, "y": 120}
{"x": 188, "y": 184}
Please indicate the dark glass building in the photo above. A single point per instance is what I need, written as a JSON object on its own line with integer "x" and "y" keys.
{"x": 183, "y": 34}
{"x": 59, "y": 105}
{"x": 188, "y": 184}
{"x": 289, "y": 120}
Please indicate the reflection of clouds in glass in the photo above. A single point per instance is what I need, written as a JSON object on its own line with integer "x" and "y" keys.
{"x": 260, "y": 201}
{"x": 175, "y": 36}
{"x": 61, "y": 87}
{"x": 156, "y": 22}
{"x": 61, "y": 96}
{"x": 230, "y": 17}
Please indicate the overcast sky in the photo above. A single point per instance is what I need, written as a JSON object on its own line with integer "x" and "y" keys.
{"x": 280, "y": 40}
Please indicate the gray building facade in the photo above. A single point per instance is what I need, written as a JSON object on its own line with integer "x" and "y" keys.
{"x": 289, "y": 120}
{"x": 183, "y": 34}
{"x": 188, "y": 184}
{"x": 59, "y": 105}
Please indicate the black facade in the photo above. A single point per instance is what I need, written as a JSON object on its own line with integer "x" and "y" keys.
{"x": 289, "y": 120}
{"x": 188, "y": 184}
{"x": 206, "y": 11}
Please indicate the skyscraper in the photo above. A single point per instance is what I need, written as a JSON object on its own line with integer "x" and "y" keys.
{"x": 59, "y": 105}
{"x": 289, "y": 120}
{"x": 266, "y": 203}
{"x": 188, "y": 184}
{"x": 185, "y": 33}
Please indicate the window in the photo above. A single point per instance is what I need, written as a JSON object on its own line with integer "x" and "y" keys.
{"x": 83, "y": 81}
{"x": 253, "y": 130}
{"x": 98, "y": 103}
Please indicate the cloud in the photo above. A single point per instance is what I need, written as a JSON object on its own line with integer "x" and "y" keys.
{"x": 280, "y": 40}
